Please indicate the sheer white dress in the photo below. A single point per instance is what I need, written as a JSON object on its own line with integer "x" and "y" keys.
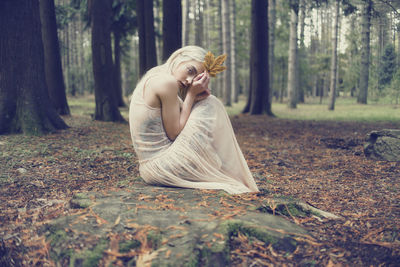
{"x": 205, "y": 154}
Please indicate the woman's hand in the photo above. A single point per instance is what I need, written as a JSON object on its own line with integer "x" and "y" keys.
{"x": 206, "y": 93}
{"x": 199, "y": 86}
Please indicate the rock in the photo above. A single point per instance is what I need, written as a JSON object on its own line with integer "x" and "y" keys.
{"x": 164, "y": 226}
{"x": 383, "y": 145}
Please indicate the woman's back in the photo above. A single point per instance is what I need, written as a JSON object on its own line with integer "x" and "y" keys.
{"x": 147, "y": 131}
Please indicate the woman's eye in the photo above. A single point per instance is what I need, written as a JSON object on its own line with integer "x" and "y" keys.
{"x": 189, "y": 70}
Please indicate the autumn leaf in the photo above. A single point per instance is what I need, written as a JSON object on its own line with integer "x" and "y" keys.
{"x": 214, "y": 65}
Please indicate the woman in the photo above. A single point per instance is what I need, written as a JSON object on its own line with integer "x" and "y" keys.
{"x": 187, "y": 143}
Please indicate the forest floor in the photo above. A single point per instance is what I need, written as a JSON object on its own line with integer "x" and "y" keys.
{"x": 318, "y": 162}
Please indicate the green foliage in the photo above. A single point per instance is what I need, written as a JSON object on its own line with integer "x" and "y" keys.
{"x": 395, "y": 87}
{"x": 387, "y": 66}
{"x": 64, "y": 14}
{"x": 351, "y": 60}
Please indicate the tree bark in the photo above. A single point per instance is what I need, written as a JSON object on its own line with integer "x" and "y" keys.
{"x": 259, "y": 79}
{"x": 52, "y": 59}
{"x": 292, "y": 64}
{"x": 226, "y": 46}
{"x": 117, "y": 69}
{"x": 172, "y": 27}
{"x": 334, "y": 58}
{"x": 234, "y": 80}
{"x": 271, "y": 50}
{"x": 198, "y": 26}
{"x": 185, "y": 23}
{"x": 301, "y": 54}
{"x": 147, "y": 45}
{"x": 24, "y": 101}
{"x": 398, "y": 46}
{"x": 103, "y": 70}
{"x": 365, "y": 52}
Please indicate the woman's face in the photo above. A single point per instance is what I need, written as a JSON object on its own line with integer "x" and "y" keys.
{"x": 186, "y": 71}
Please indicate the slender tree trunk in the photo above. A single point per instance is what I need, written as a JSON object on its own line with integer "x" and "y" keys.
{"x": 398, "y": 46}
{"x": 302, "y": 53}
{"x": 292, "y": 64}
{"x": 259, "y": 85}
{"x": 103, "y": 70}
{"x": 220, "y": 78}
{"x": 199, "y": 33}
{"x": 272, "y": 23}
{"x": 172, "y": 27}
{"x": 117, "y": 69}
{"x": 185, "y": 23}
{"x": 147, "y": 45}
{"x": 226, "y": 38}
{"x": 75, "y": 56}
{"x": 334, "y": 58}
{"x": 158, "y": 13}
{"x": 232, "y": 24}
{"x": 52, "y": 59}
{"x": 365, "y": 52}
{"x": 67, "y": 61}
{"x": 282, "y": 91}
{"x": 24, "y": 101}
{"x": 207, "y": 23}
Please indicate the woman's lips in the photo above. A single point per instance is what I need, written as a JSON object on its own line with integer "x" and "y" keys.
{"x": 182, "y": 85}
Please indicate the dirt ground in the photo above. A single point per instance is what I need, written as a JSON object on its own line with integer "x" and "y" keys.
{"x": 320, "y": 163}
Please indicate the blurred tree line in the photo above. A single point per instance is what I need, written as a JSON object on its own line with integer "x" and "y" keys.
{"x": 224, "y": 26}
{"x": 315, "y": 49}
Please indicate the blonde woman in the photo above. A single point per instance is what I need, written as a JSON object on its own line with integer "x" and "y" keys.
{"x": 186, "y": 143}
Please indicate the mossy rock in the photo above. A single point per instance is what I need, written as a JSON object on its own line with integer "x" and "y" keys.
{"x": 183, "y": 227}
{"x": 90, "y": 257}
{"x": 127, "y": 246}
{"x": 80, "y": 201}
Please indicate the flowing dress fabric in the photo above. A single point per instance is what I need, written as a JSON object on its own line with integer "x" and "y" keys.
{"x": 205, "y": 154}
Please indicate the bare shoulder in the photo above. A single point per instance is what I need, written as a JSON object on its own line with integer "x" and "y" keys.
{"x": 164, "y": 84}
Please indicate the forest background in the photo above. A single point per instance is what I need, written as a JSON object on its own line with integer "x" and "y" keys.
{"x": 332, "y": 65}
{"x": 309, "y": 73}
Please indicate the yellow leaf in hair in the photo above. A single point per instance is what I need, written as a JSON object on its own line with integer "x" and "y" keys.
{"x": 213, "y": 65}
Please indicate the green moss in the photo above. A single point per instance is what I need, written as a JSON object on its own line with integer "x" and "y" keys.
{"x": 154, "y": 238}
{"x": 127, "y": 246}
{"x": 80, "y": 201}
{"x": 217, "y": 255}
{"x": 57, "y": 237}
{"x": 90, "y": 257}
{"x": 289, "y": 209}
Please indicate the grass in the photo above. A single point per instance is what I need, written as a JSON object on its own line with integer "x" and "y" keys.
{"x": 346, "y": 109}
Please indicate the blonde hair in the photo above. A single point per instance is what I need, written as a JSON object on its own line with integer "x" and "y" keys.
{"x": 186, "y": 53}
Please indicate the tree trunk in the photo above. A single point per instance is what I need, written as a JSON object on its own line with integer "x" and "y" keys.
{"x": 398, "y": 46}
{"x": 334, "y": 58}
{"x": 117, "y": 70}
{"x": 271, "y": 50}
{"x": 292, "y": 64}
{"x": 52, "y": 59}
{"x": 147, "y": 45}
{"x": 232, "y": 24}
{"x": 301, "y": 54}
{"x": 365, "y": 52}
{"x": 172, "y": 27}
{"x": 199, "y": 33}
{"x": 259, "y": 84}
{"x": 185, "y": 23}
{"x": 158, "y": 13}
{"x": 103, "y": 70}
{"x": 207, "y": 23}
{"x": 227, "y": 89}
{"x": 25, "y": 105}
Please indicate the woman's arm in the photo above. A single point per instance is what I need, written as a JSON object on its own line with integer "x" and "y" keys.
{"x": 174, "y": 118}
